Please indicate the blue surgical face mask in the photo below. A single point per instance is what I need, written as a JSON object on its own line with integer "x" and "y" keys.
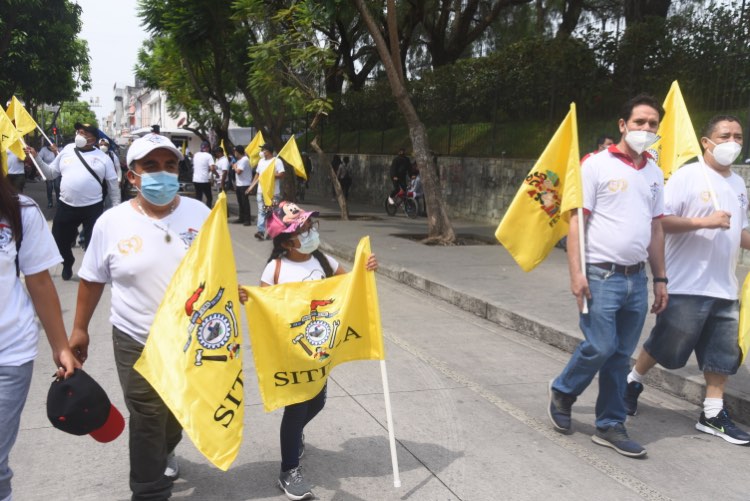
{"x": 159, "y": 188}
{"x": 308, "y": 241}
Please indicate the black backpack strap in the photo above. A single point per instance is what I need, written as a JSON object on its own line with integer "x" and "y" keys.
{"x": 91, "y": 171}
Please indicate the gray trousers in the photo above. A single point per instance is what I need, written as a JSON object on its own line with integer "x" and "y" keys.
{"x": 154, "y": 431}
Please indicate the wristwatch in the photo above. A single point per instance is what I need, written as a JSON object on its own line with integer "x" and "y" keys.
{"x": 664, "y": 280}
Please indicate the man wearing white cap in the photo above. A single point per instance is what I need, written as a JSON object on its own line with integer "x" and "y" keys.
{"x": 137, "y": 247}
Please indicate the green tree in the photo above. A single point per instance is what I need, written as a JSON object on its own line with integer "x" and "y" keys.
{"x": 42, "y": 60}
{"x": 71, "y": 112}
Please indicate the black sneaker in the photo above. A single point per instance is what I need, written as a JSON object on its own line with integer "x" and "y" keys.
{"x": 722, "y": 426}
{"x": 67, "y": 272}
{"x": 617, "y": 438}
{"x": 259, "y": 236}
{"x": 560, "y": 409}
{"x": 632, "y": 392}
{"x": 294, "y": 485}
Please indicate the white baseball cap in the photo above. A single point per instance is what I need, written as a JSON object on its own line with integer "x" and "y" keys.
{"x": 145, "y": 145}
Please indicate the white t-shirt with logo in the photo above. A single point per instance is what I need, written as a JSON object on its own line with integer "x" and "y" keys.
{"x": 297, "y": 271}
{"x": 703, "y": 262}
{"x": 202, "y": 162}
{"x": 262, "y": 165}
{"x": 131, "y": 251}
{"x": 78, "y": 188}
{"x": 622, "y": 202}
{"x": 19, "y": 332}
{"x": 244, "y": 172}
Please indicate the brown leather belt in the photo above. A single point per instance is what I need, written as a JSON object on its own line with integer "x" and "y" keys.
{"x": 618, "y": 268}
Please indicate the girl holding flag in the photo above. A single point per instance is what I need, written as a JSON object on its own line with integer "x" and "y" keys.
{"x": 295, "y": 258}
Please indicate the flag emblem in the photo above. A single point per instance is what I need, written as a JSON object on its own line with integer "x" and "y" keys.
{"x": 545, "y": 190}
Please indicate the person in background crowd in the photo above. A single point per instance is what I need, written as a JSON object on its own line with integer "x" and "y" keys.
{"x": 203, "y": 170}
{"x": 47, "y": 153}
{"x": 88, "y": 175}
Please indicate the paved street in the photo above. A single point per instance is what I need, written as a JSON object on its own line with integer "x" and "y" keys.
{"x": 468, "y": 376}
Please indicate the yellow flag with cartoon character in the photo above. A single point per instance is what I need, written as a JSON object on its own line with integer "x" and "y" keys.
{"x": 300, "y": 331}
{"x": 192, "y": 355}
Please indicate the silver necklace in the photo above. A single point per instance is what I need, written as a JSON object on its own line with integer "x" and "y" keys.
{"x": 167, "y": 236}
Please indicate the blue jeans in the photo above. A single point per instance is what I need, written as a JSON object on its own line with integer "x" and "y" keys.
{"x": 14, "y": 387}
{"x": 611, "y": 329}
{"x": 261, "y": 222}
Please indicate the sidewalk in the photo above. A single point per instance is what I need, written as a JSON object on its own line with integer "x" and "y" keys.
{"x": 486, "y": 281}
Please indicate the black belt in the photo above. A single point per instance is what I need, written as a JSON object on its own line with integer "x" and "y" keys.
{"x": 618, "y": 268}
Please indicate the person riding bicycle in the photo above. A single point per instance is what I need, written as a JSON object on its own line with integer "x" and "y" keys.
{"x": 399, "y": 172}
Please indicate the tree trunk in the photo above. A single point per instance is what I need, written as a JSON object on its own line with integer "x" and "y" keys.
{"x": 439, "y": 226}
{"x": 322, "y": 161}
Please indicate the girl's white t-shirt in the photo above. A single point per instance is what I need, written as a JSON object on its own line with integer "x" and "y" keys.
{"x": 19, "y": 331}
{"x": 296, "y": 271}
{"x": 131, "y": 251}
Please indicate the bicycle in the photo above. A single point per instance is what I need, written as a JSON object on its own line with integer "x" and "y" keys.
{"x": 405, "y": 200}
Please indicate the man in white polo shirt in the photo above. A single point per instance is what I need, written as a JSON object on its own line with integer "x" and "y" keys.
{"x": 702, "y": 248}
{"x": 622, "y": 202}
{"x": 86, "y": 174}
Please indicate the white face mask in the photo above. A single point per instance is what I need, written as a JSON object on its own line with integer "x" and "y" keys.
{"x": 104, "y": 148}
{"x": 726, "y": 153}
{"x": 81, "y": 141}
{"x": 640, "y": 140}
{"x": 308, "y": 241}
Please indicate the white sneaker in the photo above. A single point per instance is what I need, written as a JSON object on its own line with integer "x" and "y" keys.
{"x": 173, "y": 468}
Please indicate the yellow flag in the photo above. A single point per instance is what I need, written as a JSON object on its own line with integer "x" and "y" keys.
{"x": 184, "y": 148}
{"x": 24, "y": 122}
{"x": 253, "y": 149}
{"x": 678, "y": 143}
{"x": 192, "y": 355}
{"x": 300, "y": 331}
{"x": 223, "y": 149}
{"x": 744, "y": 331}
{"x": 267, "y": 182}
{"x": 538, "y": 216}
{"x": 10, "y": 138}
{"x": 290, "y": 154}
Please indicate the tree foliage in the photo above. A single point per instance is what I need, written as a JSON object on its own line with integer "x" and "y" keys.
{"x": 42, "y": 59}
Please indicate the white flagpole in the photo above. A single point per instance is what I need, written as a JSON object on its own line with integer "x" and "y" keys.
{"x": 43, "y": 134}
{"x": 389, "y": 421}
{"x": 582, "y": 249}
{"x": 38, "y": 169}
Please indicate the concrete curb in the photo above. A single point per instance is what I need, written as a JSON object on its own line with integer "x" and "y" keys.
{"x": 678, "y": 383}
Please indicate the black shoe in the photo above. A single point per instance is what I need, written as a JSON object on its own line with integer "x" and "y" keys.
{"x": 237, "y": 221}
{"x": 260, "y": 236}
{"x": 617, "y": 438}
{"x": 247, "y": 224}
{"x": 67, "y": 272}
{"x": 632, "y": 392}
{"x": 559, "y": 409}
{"x": 722, "y": 426}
